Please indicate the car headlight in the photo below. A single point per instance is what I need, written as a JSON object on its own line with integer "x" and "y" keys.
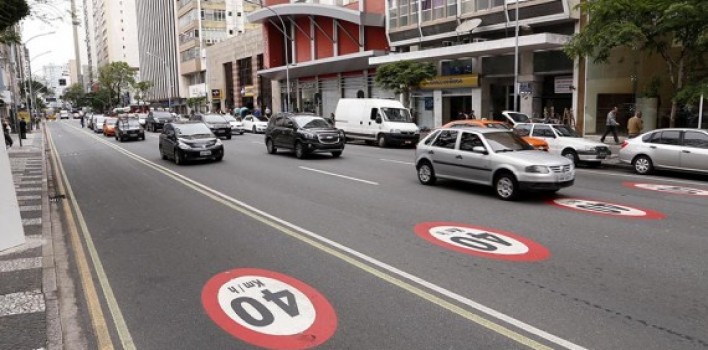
{"x": 309, "y": 136}
{"x": 538, "y": 169}
{"x": 395, "y": 131}
{"x": 218, "y": 142}
{"x": 183, "y": 145}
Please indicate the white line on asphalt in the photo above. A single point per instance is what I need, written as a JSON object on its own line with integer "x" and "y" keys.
{"x": 648, "y": 177}
{"x": 22, "y": 303}
{"x": 20, "y": 264}
{"x": 396, "y": 161}
{"x": 28, "y": 198}
{"x": 32, "y": 222}
{"x": 30, "y": 207}
{"x": 333, "y": 248}
{"x": 339, "y": 175}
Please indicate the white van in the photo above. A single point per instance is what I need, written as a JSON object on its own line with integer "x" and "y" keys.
{"x": 372, "y": 119}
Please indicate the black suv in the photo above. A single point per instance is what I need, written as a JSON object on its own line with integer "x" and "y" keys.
{"x": 216, "y": 123}
{"x": 157, "y": 119}
{"x": 304, "y": 133}
{"x": 129, "y": 128}
{"x": 189, "y": 141}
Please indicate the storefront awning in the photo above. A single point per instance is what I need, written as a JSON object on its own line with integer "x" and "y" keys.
{"x": 330, "y": 65}
{"x": 331, "y": 11}
{"x": 534, "y": 42}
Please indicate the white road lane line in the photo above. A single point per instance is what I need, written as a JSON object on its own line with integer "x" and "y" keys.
{"x": 396, "y": 161}
{"x": 22, "y": 303}
{"x": 642, "y": 178}
{"x": 339, "y": 175}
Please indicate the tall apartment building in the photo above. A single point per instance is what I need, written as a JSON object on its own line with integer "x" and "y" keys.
{"x": 57, "y": 77}
{"x": 115, "y": 32}
{"x": 157, "y": 42}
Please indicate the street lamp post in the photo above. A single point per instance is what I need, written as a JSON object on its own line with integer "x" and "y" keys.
{"x": 32, "y": 99}
{"x": 169, "y": 79}
{"x": 516, "y": 60}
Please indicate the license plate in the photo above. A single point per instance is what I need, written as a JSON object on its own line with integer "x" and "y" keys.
{"x": 565, "y": 177}
{"x": 205, "y": 153}
{"x": 407, "y": 142}
{"x": 601, "y": 156}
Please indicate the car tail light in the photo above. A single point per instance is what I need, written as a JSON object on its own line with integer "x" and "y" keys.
{"x": 624, "y": 144}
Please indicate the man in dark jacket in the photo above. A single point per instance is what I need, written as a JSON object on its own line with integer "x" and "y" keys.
{"x": 23, "y": 128}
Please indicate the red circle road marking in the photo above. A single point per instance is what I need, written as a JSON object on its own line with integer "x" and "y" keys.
{"x": 606, "y": 208}
{"x": 300, "y": 317}
{"x": 481, "y": 241}
{"x": 671, "y": 189}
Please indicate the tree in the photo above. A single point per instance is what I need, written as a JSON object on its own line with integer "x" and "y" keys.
{"x": 116, "y": 77}
{"x": 403, "y": 76}
{"x": 196, "y": 102}
{"x": 97, "y": 100}
{"x": 11, "y": 12}
{"x": 677, "y": 30}
{"x": 75, "y": 95}
{"x": 37, "y": 88}
{"x": 141, "y": 89}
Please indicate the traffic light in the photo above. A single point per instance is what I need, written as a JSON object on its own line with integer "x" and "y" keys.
{"x": 62, "y": 82}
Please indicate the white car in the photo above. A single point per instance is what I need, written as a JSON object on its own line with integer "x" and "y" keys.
{"x": 564, "y": 141}
{"x": 255, "y": 124}
{"x": 141, "y": 118}
{"x": 671, "y": 149}
{"x": 236, "y": 125}
{"x": 64, "y": 115}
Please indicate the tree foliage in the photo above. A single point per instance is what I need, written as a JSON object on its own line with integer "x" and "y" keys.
{"x": 196, "y": 102}
{"x": 403, "y": 76}
{"x": 11, "y": 12}
{"x": 116, "y": 78}
{"x": 677, "y": 30}
{"x": 141, "y": 89}
{"x": 38, "y": 88}
{"x": 75, "y": 95}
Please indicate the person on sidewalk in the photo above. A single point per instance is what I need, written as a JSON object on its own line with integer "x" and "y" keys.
{"x": 23, "y": 129}
{"x": 6, "y": 132}
{"x": 635, "y": 125}
{"x": 611, "y": 125}
{"x": 82, "y": 121}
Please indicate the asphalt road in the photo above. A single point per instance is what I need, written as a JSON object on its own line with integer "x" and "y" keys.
{"x": 347, "y": 228}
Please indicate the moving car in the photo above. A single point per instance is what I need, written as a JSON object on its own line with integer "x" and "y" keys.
{"x": 141, "y": 118}
{"x": 217, "y": 123}
{"x": 64, "y": 115}
{"x": 304, "y": 133}
{"x": 236, "y": 125}
{"x": 564, "y": 141}
{"x": 255, "y": 124}
{"x": 183, "y": 142}
{"x": 129, "y": 128}
{"x": 97, "y": 123}
{"x": 373, "y": 119}
{"x": 490, "y": 157}
{"x": 671, "y": 149}
{"x": 538, "y": 144}
{"x": 109, "y": 126}
{"x": 157, "y": 119}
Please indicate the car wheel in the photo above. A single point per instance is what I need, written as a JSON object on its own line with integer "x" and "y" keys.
{"x": 178, "y": 158}
{"x": 570, "y": 154}
{"x": 228, "y": 137}
{"x": 426, "y": 173}
{"x": 643, "y": 165}
{"x": 219, "y": 158}
{"x": 269, "y": 146}
{"x": 299, "y": 150}
{"x": 241, "y": 132}
{"x": 381, "y": 141}
{"x": 254, "y": 130}
{"x": 506, "y": 186}
{"x": 337, "y": 154}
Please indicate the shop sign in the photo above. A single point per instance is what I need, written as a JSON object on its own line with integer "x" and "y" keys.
{"x": 197, "y": 90}
{"x": 451, "y": 82}
{"x": 563, "y": 85}
{"x": 247, "y": 91}
{"x": 215, "y": 93}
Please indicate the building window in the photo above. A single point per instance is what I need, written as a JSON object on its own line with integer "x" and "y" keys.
{"x": 189, "y": 55}
{"x": 214, "y": 15}
{"x": 245, "y": 75}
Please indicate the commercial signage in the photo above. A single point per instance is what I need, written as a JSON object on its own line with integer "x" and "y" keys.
{"x": 451, "y": 82}
{"x": 563, "y": 85}
{"x": 197, "y": 90}
{"x": 215, "y": 93}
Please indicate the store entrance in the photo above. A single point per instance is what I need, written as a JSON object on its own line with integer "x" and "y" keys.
{"x": 453, "y": 105}
{"x": 502, "y": 98}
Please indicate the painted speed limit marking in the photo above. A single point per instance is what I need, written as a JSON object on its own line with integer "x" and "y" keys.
{"x": 269, "y": 309}
{"x": 606, "y": 208}
{"x": 668, "y": 189}
{"x": 480, "y": 241}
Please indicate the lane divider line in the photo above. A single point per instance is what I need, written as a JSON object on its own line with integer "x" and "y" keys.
{"x": 396, "y": 161}
{"x": 370, "y": 265}
{"x": 339, "y": 175}
{"x": 98, "y": 319}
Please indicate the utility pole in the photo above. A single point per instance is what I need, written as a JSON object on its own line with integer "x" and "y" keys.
{"x": 75, "y": 24}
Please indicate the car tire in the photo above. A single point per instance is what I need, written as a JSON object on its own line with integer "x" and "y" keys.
{"x": 337, "y": 154}
{"x": 426, "y": 173}
{"x": 241, "y": 133}
{"x": 254, "y": 130}
{"x": 178, "y": 158}
{"x": 270, "y": 147}
{"x": 228, "y": 137}
{"x": 643, "y": 165}
{"x": 571, "y": 155}
{"x": 299, "y": 150}
{"x": 506, "y": 186}
{"x": 381, "y": 140}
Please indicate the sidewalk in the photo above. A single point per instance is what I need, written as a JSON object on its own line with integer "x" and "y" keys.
{"x": 29, "y": 311}
{"x": 613, "y": 160}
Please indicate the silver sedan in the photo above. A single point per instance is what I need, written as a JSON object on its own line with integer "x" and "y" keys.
{"x": 671, "y": 149}
{"x": 491, "y": 157}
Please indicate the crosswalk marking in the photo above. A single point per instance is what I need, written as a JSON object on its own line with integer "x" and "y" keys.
{"x": 21, "y": 303}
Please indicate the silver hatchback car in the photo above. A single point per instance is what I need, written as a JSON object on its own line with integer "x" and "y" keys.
{"x": 491, "y": 157}
{"x": 671, "y": 149}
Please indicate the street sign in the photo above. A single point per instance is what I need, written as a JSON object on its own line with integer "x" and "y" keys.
{"x": 691, "y": 191}
{"x": 606, "y": 208}
{"x": 481, "y": 241}
{"x": 269, "y": 309}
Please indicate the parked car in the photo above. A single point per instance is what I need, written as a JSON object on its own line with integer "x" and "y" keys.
{"x": 141, "y": 118}
{"x": 670, "y": 149}
{"x": 129, "y": 128}
{"x": 236, "y": 124}
{"x": 183, "y": 142}
{"x": 512, "y": 118}
{"x": 303, "y": 133}
{"x": 64, "y": 115}
{"x": 537, "y": 143}
{"x": 565, "y": 141}
{"x": 217, "y": 123}
{"x": 255, "y": 124}
{"x": 109, "y": 126}
{"x": 491, "y": 157}
{"x": 97, "y": 123}
{"x": 157, "y": 119}
{"x": 384, "y": 121}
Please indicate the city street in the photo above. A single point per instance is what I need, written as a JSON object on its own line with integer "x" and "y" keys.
{"x": 269, "y": 251}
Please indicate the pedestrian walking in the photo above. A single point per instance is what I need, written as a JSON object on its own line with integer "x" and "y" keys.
{"x": 82, "y": 121}
{"x": 635, "y": 125}
{"x": 611, "y": 125}
{"x": 23, "y": 129}
{"x": 6, "y": 133}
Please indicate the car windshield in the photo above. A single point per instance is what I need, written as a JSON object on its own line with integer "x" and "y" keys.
{"x": 193, "y": 131}
{"x": 519, "y": 117}
{"x": 230, "y": 118}
{"x": 565, "y": 131}
{"x": 214, "y": 119}
{"x": 506, "y": 142}
{"x": 130, "y": 123}
{"x": 398, "y": 115}
{"x": 500, "y": 126}
{"x": 311, "y": 122}
{"x": 110, "y": 121}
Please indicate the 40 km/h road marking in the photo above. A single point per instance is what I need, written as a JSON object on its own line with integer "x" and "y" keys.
{"x": 690, "y": 191}
{"x": 269, "y": 309}
{"x": 481, "y": 241}
{"x": 606, "y": 208}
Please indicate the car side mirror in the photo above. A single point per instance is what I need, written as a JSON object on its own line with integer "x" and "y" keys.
{"x": 289, "y": 124}
{"x": 379, "y": 120}
{"x": 479, "y": 149}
